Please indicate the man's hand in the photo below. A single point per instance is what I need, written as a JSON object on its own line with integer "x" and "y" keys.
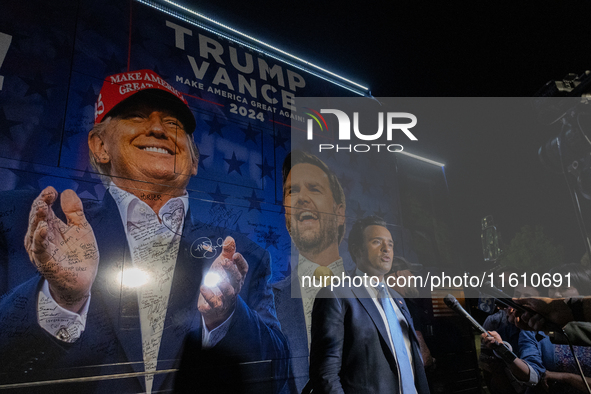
{"x": 65, "y": 254}
{"x": 217, "y": 303}
{"x": 553, "y": 309}
{"x": 489, "y": 341}
{"x": 571, "y": 379}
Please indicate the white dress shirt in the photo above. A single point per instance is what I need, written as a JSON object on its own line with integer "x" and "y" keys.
{"x": 307, "y": 268}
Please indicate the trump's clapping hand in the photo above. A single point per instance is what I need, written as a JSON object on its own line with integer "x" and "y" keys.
{"x": 217, "y": 301}
{"x": 66, "y": 254}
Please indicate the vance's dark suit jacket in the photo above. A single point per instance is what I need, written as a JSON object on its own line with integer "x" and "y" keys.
{"x": 111, "y": 342}
{"x": 350, "y": 350}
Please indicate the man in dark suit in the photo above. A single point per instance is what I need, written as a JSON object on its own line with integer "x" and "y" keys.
{"x": 314, "y": 216}
{"x": 363, "y": 340}
{"x": 120, "y": 283}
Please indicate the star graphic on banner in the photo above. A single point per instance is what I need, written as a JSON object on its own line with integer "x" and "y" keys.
{"x": 37, "y": 86}
{"x": 365, "y": 185}
{"x": 346, "y": 182}
{"x": 25, "y": 183}
{"x": 280, "y": 140}
{"x": 271, "y": 238}
{"x": 56, "y": 135}
{"x": 112, "y": 65}
{"x": 218, "y": 196}
{"x": 266, "y": 169}
{"x": 202, "y": 158}
{"x": 250, "y": 134}
{"x": 359, "y": 212}
{"x": 240, "y": 231}
{"x": 380, "y": 213}
{"x": 215, "y": 126}
{"x": 234, "y": 164}
{"x": 86, "y": 184}
{"x": 88, "y": 97}
{"x": 193, "y": 91}
{"x": 5, "y": 124}
{"x": 255, "y": 202}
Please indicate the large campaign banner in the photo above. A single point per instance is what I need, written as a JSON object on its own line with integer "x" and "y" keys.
{"x": 175, "y": 196}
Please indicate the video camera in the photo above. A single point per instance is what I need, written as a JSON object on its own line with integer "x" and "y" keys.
{"x": 568, "y": 101}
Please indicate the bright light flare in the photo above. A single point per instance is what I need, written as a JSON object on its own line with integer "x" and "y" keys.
{"x": 421, "y": 158}
{"x": 211, "y": 279}
{"x": 133, "y": 277}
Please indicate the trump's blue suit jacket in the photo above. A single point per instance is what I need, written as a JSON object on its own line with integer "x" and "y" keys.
{"x": 110, "y": 350}
{"x": 350, "y": 350}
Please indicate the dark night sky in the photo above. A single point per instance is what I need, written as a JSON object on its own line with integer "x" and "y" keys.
{"x": 449, "y": 48}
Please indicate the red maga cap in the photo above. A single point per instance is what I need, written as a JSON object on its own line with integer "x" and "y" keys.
{"x": 142, "y": 85}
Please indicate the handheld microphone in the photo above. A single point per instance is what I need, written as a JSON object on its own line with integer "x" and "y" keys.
{"x": 454, "y": 305}
{"x": 500, "y": 348}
